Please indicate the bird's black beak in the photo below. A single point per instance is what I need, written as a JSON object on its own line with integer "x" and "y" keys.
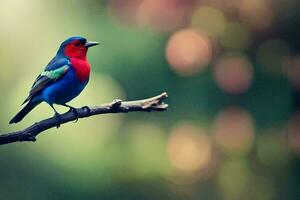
{"x": 90, "y": 44}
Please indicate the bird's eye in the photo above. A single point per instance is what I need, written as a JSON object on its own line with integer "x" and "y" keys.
{"x": 77, "y": 44}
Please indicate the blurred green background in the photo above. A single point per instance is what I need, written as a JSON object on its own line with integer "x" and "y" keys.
{"x": 232, "y": 72}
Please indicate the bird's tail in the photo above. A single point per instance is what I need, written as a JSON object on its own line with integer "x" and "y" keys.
{"x": 20, "y": 115}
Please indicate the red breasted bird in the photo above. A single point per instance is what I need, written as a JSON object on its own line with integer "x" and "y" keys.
{"x": 63, "y": 79}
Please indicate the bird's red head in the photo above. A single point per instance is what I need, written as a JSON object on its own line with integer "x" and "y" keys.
{"x": 76, "y": 47}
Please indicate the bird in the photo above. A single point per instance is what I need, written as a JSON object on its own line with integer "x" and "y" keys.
{"x": 63, "y": 78}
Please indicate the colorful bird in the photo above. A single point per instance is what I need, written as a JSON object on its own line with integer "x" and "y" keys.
{"x": 63, "y": 79}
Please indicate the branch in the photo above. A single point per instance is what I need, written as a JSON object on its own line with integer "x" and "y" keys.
{"x": 117, "y": 106}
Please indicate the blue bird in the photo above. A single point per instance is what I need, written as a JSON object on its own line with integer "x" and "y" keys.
{"x": 63, "y": 78}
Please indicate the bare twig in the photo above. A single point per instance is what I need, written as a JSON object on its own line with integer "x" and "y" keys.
{"x": 117, "y": 106}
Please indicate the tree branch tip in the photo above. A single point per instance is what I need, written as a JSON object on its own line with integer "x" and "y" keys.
{"x": 164, "y": 106}
{"x": 163, "y": 96}
{"x": 161, "y": 107}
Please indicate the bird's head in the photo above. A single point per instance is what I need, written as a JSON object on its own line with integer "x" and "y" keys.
{"x": 75, "y": 47}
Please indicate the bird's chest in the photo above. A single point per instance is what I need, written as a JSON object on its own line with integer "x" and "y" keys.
{"x": 81, "y": 68}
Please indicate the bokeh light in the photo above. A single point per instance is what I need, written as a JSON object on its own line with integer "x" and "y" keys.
{"x": 233, "y": 73}
{"x": 234, "y": 178}
{"x": 159, "y": 16}
{"x": 189, "y": 148}
{"x": 210, "y": 20}
{"x": 188, "y": 52}
{"x": 258, "y": 14}
{"x": 124, "y": 11}
{"x": 272, "y": 150}
{"x": 234, "y": 131}
{"x": 236, "y": 36}
{"x": 162, "y": 15}
{"x": 272, "y": 55}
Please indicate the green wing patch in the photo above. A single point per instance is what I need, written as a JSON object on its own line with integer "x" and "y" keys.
{"x": 55, "y": 74}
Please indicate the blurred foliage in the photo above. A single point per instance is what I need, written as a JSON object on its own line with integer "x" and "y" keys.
{"x": 230, "y": 67}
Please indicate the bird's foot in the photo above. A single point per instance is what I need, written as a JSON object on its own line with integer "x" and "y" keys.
{"x": 74, "y": 110}
{"x": 58, "y": 118}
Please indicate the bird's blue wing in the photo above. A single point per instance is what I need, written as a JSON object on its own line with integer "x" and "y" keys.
{"x": 53, "y": 71}
{"x": 57, "y": 62}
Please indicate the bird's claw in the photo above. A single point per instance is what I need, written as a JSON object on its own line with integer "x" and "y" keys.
{"x": 58, "y": 118}
{"x": 76, "y": 113}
